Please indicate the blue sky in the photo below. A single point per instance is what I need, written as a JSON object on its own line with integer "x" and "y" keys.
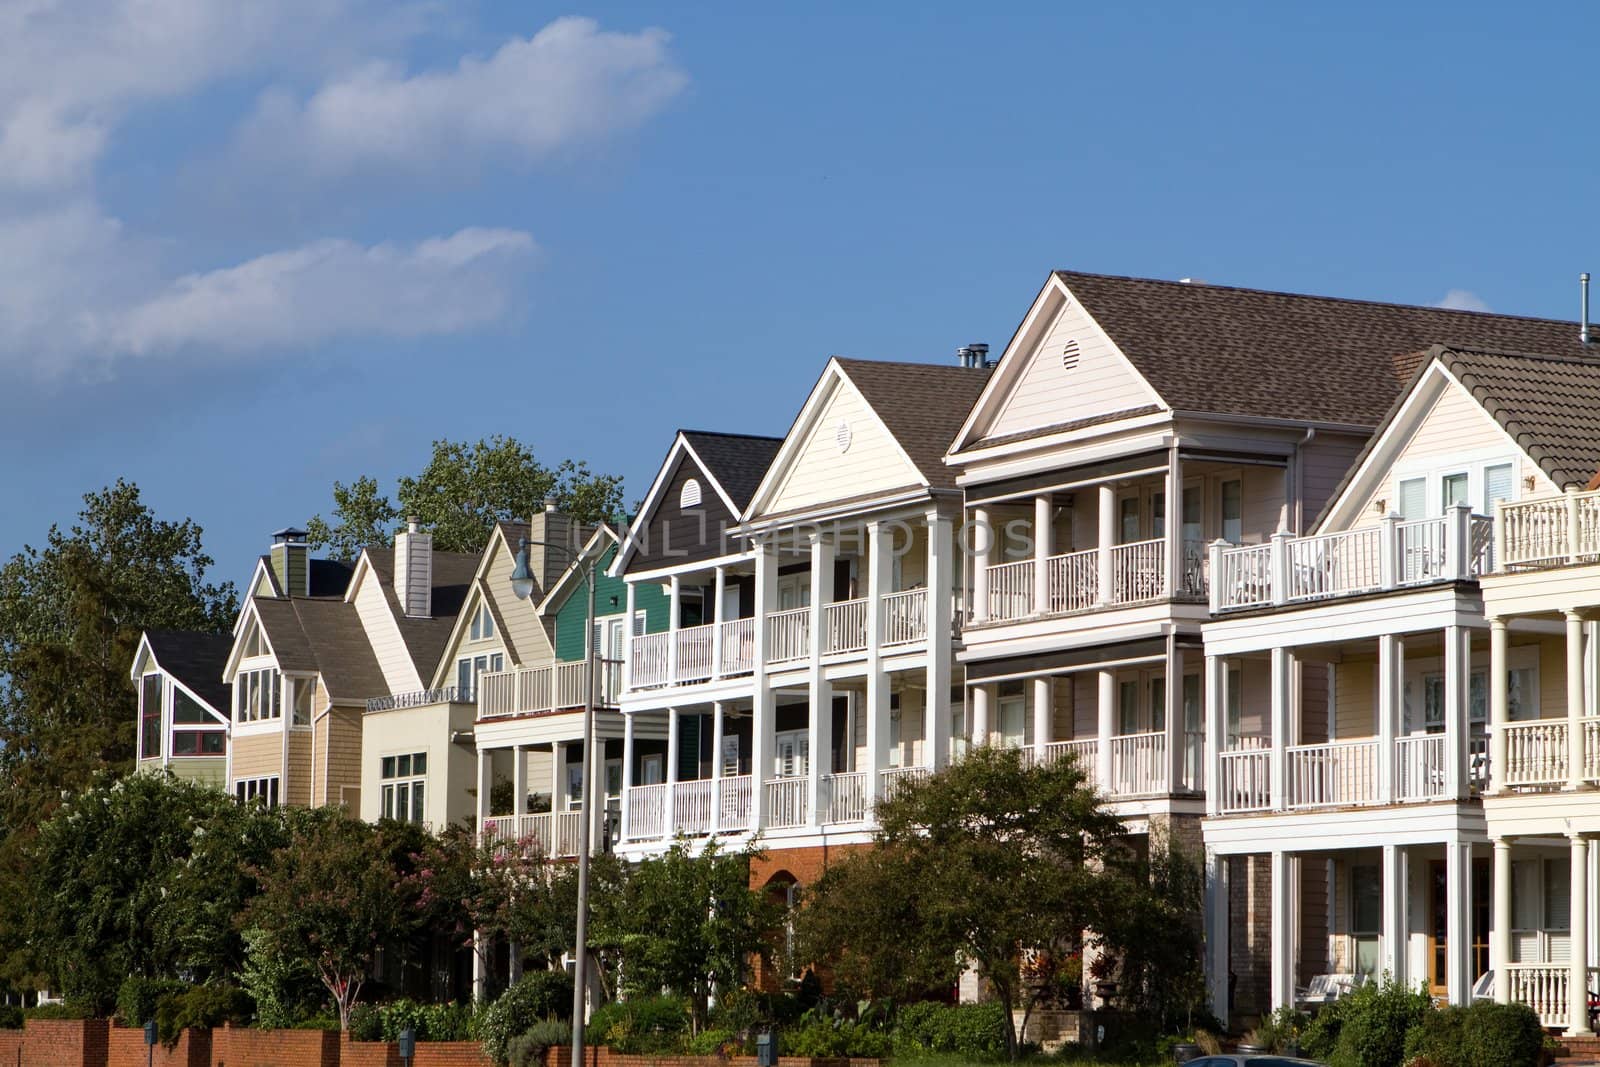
{"x": 241, "y": 258}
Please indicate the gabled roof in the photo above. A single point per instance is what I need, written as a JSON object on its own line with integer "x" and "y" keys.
{"x": 1221, "y": 350}
{"x": 598, "y": 544}
{"x": 323, "y": 635}
{"x": 735, "y": 460}
{"x": 922, "y": 404}
{"x": 196, "y": 660}
{"x": 427, "y": 639}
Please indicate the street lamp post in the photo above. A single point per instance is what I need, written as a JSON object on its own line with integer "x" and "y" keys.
{"x": 522, "y": 584}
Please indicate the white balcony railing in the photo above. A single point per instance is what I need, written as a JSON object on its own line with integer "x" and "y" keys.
{"x": 1536, "y": 752}
{"x": 1011, "y": 590}
{"x": 1421, "y": 767}
{"x": 844, "y": 626}
{"x": 647, "y": 811}
{"x": 1138, "y": 764}
{"x": 786, "y": 802}
{"x": 692, "y": 804}
{"x": 733, "y": 801}
{"x": 1543, "y": 987}
{"x": 738, "y": 653}
{"x": 1334, "y": 774}
{"x": 1390, "y": 555}
{"x": 652, "y": 661}
{"x": 1548, "y": 531}
{"x": 1072, "y": 580}
{"x": 894, "y": 779}
{"x": 556, "y": 834}
{"x": 1246, "y": 781}
{"x": 1139, "y": 571}
{"x": 788, "y": 635}
{"x": 905, "y": 617}
{"x": 536, "y": 690}
{"x": 844, "y": 797}
{"x": 1082, "y": 751}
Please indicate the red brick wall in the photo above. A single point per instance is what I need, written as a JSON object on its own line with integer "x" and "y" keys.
{"x": 126, "y": 1048}
{"x": 806, "y": 864}
{"x": 367, "y": 1053}
{"x": 10, "y": 1048}
{"x": 235, "y": 1046}
{"x": 65, "y": 1042}
{"x": 450, "y": 1054}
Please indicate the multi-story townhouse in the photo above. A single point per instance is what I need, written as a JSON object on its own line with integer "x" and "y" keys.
{"x": 317, "y": 639}
{"x": 807, "y": 665}
{"x": 530, "y": 728}
{"x": 1129, "y": 423}
{"x": 183, "y": 704}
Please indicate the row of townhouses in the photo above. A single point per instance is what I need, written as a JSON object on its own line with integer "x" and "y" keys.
{"x": 1307, "y": 586}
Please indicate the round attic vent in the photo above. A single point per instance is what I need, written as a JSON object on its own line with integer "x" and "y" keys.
{"x": 841, "y": 436}
{"x": 1069, "y": 355}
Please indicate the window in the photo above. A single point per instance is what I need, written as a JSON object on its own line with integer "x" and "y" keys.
{"x": 1496, "y": 485}
{"x": 1522, "y": 695}
{"x": 791, "y": 754}
{"x": 1366, "y": 915}
{"x": 652, "y": 769}
{"x": 1128, "y": 519}
{"x": 482, "y": 625}
{"x": 1193, "y": 519}
{"x": 1453, "y": 490}
{"x": 1013, "y": 721}
{"x": 1158, "y": 513}
{"x": 265, "y": 790}
{"x": 470, "y": 668}
{"x": 689, "y": 496}
{"x": 1233, "y": 511}
{"x": 405, "y": 781}
{"x": 1235, "y": 693}
{"x": 256, "y": 695}
{"x": 1413, "y": 498}
{"x": 1519, "y": 699}
{"x": 1192, "y": 710}
{"x": 1158, "y": 703}
{"x": 304, "y": 690}
{"x": 1128, "y": 707}
{"x": 195, "y": 731}
{"x": 150, "y": 716}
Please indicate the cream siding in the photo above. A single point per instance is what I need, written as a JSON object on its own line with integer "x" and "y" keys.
{"x": 258, "y": 755}
{"x": 820, "y": 473}
{"x": 383, "y": 634}
{"x": 297, "y": 790}
{"x": 1355, "y": 690}
{"x": 1046, "y": 393}
{"x": 530, "y": 641}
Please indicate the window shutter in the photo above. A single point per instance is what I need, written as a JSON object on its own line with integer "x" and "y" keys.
{"x": 688, "y": 748}
{"x": 1496, "y": 486}
{"x": 1413, "y": 498}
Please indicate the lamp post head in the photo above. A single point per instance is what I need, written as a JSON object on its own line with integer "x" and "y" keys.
{"x": 522, "y": 582}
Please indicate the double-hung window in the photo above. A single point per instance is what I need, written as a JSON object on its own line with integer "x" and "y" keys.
{"x": 405, "y": 782}
{"x": 256, "y": 695}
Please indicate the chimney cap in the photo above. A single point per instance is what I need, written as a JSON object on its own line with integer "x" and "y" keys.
{"x": 413, "y": 524}
{"x": 288, "y": 535}
{"x": 549, "y": 504}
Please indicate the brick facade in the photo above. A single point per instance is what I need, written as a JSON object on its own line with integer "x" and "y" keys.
{"x": 65, "y": 1042}
{"x": 604, "y": 1057}
{"x": 10, "y": 1048}
{"x": 806, "y": 865}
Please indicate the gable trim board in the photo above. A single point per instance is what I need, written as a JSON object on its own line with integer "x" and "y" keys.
{"x": 1027, "y": 353}
{"x": 394, "y": 658}
{"x": 596, "y": 547}
{"x": 478, "y": 592}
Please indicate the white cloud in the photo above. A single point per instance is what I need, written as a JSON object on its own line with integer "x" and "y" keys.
{"x": 568, "y": 85}
{"x": 1462, "y": 300}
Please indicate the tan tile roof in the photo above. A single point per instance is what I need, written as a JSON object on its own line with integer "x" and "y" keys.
{"x": 922, "y": 404}
{"x": 1215, "y": 349}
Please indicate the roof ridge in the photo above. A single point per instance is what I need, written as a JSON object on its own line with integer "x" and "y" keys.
{"x": 730, "y": 433}
{"x": 1322, "y": 297}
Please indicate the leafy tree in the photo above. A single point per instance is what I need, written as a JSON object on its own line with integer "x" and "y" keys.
{"x": 685, "y": 922}
{"x": 1155, "y": 933}
{"x": 988, "y": 863}
{"x": 461, "y": 493}
{"x": 331, "y": 896}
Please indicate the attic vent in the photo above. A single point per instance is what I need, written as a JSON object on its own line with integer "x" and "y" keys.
{"x": 1069, "y": 356}
{"x": 841, "y": 436}
{"x": 690, "y": 496}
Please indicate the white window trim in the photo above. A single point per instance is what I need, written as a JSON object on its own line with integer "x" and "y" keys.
{"x": 1473, "y": 463}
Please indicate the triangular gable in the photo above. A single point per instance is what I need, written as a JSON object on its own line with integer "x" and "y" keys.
{"x": 1060, "y": 369}
{"x": 142, "y": 656}
{"x": 366, "y": 593}
{"x": 262, "y": 581}
{"x": 838, "y": 449}
{"x": 598, "y": 545}
{"x": 496, "y": 556}
{"x": 1437, "y": 422}
{"x": 637, "y": 534}
{"x": 248, "y": 617}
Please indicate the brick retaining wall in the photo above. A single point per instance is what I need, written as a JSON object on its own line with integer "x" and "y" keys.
{"x": 126, "y": 1048}
{"x": 237, "y": 1046}
{"x": 10, "y": 1048}
{"x": 65, "y": 1042}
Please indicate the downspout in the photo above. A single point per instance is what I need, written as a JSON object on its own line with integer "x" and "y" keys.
{"x": 1299, "y": 479}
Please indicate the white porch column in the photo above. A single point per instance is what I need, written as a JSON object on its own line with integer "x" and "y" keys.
{"x": 982, "y": 542}
{"x": 669, "y": 815}
{"x": 880, "y": 574}
{"x": 982, "y": 700}
{"x": 1217, "y": 933}
{"x": 1044, "y": 694}
{"x": 1282, "y": 730}
{"x": 763, "y": 709}
{"x": 485, "y": 783}
{"x": 1106, "y": 716}
{"x": 674, "y": 621}
{"x": 1174, "y": 714}
{"x": 820, "y": 765}
{"x": 1391, "y": 673}
{"x": 1500, "y": 928}
{"x": 1282, "y": 949}
{"x": 1575, "y": 703}
{"x": 1394, "y": 911}
{"x": 519, "y": 783}
{"x": 1458, "y": 921}
{"x": 717, "y": 728}
{"x": 628, "y": 635}
{"x": 1499, "y": 714}
{"x": 942, "y": 577}
{"x": 1216, "y": 728}
{"x": 1174, "y": 521}
{"x": 627, "y": 768}
{"x": 1578, "y": 979}
{"x": 558, "y": 770}
{"x": 1043, "y": 541}
{"x": 1457, "y": 664}
{"x": 1107, "y": 521}
{"x": 720, "y": 584}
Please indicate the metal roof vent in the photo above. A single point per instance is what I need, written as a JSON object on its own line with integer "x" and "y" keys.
{"x": 980, "y": 354}
{"x": 1583, "y": 309}
{"x": 1070, "y": 354}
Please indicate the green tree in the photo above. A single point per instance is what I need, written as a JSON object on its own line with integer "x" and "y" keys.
{"x": 459, "y": 496}
{"x": 331, "y": 897}
{"x": 686, "y": 922}
{"x": 988, "y": 863}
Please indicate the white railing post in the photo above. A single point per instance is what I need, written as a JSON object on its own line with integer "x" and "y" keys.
{"x": 674, "y": 623}
{"x": 1458, "y": 542}
{"x": 980, "y": 540}
{"x": 1574, "y": 529}
{"x": 1043, "y": 515}
{"x": 1280, "y": 566}
{"x": 1500, "y": 547}
{"x": 720, "y": 585}
{"x": 1499, "y": 704}
{"x": 1282, "y": 707}
{"x": 1107, "y": 523}
{"x": 1390, "y": 569}
{"x": 1214, "y": 593}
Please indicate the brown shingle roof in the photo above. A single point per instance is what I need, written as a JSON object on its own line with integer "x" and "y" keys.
{"x": 323, "y": 634}
{"x": 737, "y": 461}
{"x": 922, "y": 404}
{"x": 196, "y": 660}
{"x": 452, "y": 579}
{"x": 1215, "y": 349}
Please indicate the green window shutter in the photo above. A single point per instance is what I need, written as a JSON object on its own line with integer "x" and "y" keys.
{"x": 688, "y": 747}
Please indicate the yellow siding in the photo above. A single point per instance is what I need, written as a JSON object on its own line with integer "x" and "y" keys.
{"x": 1047, "y": 394}
{"x": 527, "y": 633}
{"x": 384, "y": 635}
{"x": 204, "y": 770}
{"x": 820, "y": 473}
{"x": 257, "y": 755}
{"x": 297, "y": 790}
{"x": 1355, "y": 691}
{"x": 342, "y": 760}
{"x": 1552, "y": 677}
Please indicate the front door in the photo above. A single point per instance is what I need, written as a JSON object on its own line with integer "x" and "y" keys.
{"x": 1438, "y": 924}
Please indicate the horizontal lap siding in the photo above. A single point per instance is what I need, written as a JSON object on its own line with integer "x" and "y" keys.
{"x": 819, "y": 473}
{"x": 257, "y": 755}
{"x": 1323, "y": 465}
{"x": 342, "y": 761}
{"x": 527, "y": 634}
{"x": 1048, "y": 394}
{"x": 384, "y": 635}
{"x": 1355, "y": 690}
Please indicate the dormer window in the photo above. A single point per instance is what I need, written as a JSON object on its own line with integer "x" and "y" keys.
{"x": 482, "y": 625}
{"x": 689, "y": 497}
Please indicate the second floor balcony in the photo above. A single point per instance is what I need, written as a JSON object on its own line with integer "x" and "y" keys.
{"x": 551, "y": 688}
{"x": 1550, "y": 531}
{"x": 1255, "y": 777}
